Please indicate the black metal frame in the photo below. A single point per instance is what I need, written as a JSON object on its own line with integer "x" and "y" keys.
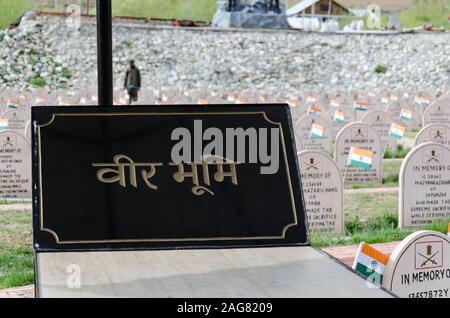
{"x": 104, "y": 53}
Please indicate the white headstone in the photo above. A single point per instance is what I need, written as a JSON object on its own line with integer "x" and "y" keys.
{"x": 15, "y": 165}
{"x": 425, "y": 186}
{"x": 381, "y": 121}
{"x": 323, "y": 191}
{"x": 439, "y": 133}
{"x": 420, "y": 267}
{"x": 303, "y": 130}
{"x": 363, "y": 136}
{"x": 437, "y": 113}
{"x": 17, "y": 118}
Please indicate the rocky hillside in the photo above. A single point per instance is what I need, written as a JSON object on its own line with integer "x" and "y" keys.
{"x": 44, "y": 51}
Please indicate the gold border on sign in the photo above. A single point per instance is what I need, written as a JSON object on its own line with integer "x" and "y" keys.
{"x": 59, "y": 242}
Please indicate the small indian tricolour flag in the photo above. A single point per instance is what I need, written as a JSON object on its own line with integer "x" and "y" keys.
{"x": 360, "y": 158}
{"x": 361, "y": 106}
{"x": 334, "y": 103}
{"x": 314, "y": 110}
{"x": 3, "y": 123}
{"x": 422, "y": 101}
{"x": 13, "y": 103}
{"x": 339, "y": 117}
{"x": 397, "y": 131}
{"x": 370, "y": 263}
{"x": 406, "y": 115}
{"x": 317, "y": 131}
{"x": 311, "y": 99}
{"x": 448, "y": 230}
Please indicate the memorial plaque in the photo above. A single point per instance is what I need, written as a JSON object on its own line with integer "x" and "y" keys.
{"x": 420, "y": 267}
{"x": 425, "y": 186}
{"x": 17, "y": 118}
{"x": 381, "y": 121}
{"x": 363, "y": 136}
{"x": 106, "y": 178}
{"x": 303, "y": 133}
{"x": 323, "y": 192}
{"x": 15, "y": 166}
{"x": 434, "y": 133}
{"x": 437, "y": 113}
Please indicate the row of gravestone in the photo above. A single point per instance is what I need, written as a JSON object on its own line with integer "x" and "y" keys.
{"x": 334, "y": 120}
{"x": 424, "y": 188}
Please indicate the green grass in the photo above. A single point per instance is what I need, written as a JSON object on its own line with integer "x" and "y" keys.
{"x": 381, "y": 69}
{"x": 38, "y": 81}
{"x": 16, "y": 256}
{"x": 10, "y": 11}
{"x": 379, "y": 229}
{"x": 199, "y": 10}
{"x": 367, "y": 205}
{"x": 423, "y": 12}
{"x": 399, "y": 153}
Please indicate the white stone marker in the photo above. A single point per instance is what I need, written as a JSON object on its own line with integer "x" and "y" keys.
{"x": 303, "y": 130}
{"x": 381, "y": 121}
{"x": 363, "y": 136}
{"x": 439, "y": 133}
{"x": 425, "y": 186}
{"x": 323, "y": 192}
{"x": 437, "y": 113}
{"x": 420, "y": 267}
{"x": 15, "y": 166}
{"x": 17, "y": 118}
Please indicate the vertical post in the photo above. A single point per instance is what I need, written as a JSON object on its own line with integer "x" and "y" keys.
{"x": 104, "y": 53}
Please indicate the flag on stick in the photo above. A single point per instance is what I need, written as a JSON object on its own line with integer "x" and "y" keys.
{"x": 361, "y": 106}
{"x": 339, "y": 117}
{"x": 397, "y": 131}
{"x": 314, "y": 110}
{"x": 13, "y": 103}
{"x": 360, "y": 158}
{"x": 370, "y": 262}
{"x": 317, "y": 131}
{"x": 406, "y": 115}
{"x": 3, "y": 123}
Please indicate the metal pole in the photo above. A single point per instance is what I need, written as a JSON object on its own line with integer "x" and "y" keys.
{"x": 104, "y": 53}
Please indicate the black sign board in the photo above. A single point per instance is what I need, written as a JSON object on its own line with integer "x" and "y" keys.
{"x": 112, "y": 178}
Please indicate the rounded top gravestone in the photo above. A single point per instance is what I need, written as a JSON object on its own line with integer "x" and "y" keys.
{"x": 303, "y": 129}
{"x": 381, "y": 121}
{"x": 15, "y": 165}
{"x": 425, "y": 186}
{"x": 359, "y": 135}
{"x": 17, "y": 118}
{"x": 420, "y": 267}
{"x": 323, "y": 191}
{"x": 437, "y": 113}
{"x": 439, "y": 133}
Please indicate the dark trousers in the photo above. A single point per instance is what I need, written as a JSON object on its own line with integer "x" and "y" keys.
{"x": 133, "y": 93}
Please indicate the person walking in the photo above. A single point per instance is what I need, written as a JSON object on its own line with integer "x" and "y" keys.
{"x": 132, "y": 82}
